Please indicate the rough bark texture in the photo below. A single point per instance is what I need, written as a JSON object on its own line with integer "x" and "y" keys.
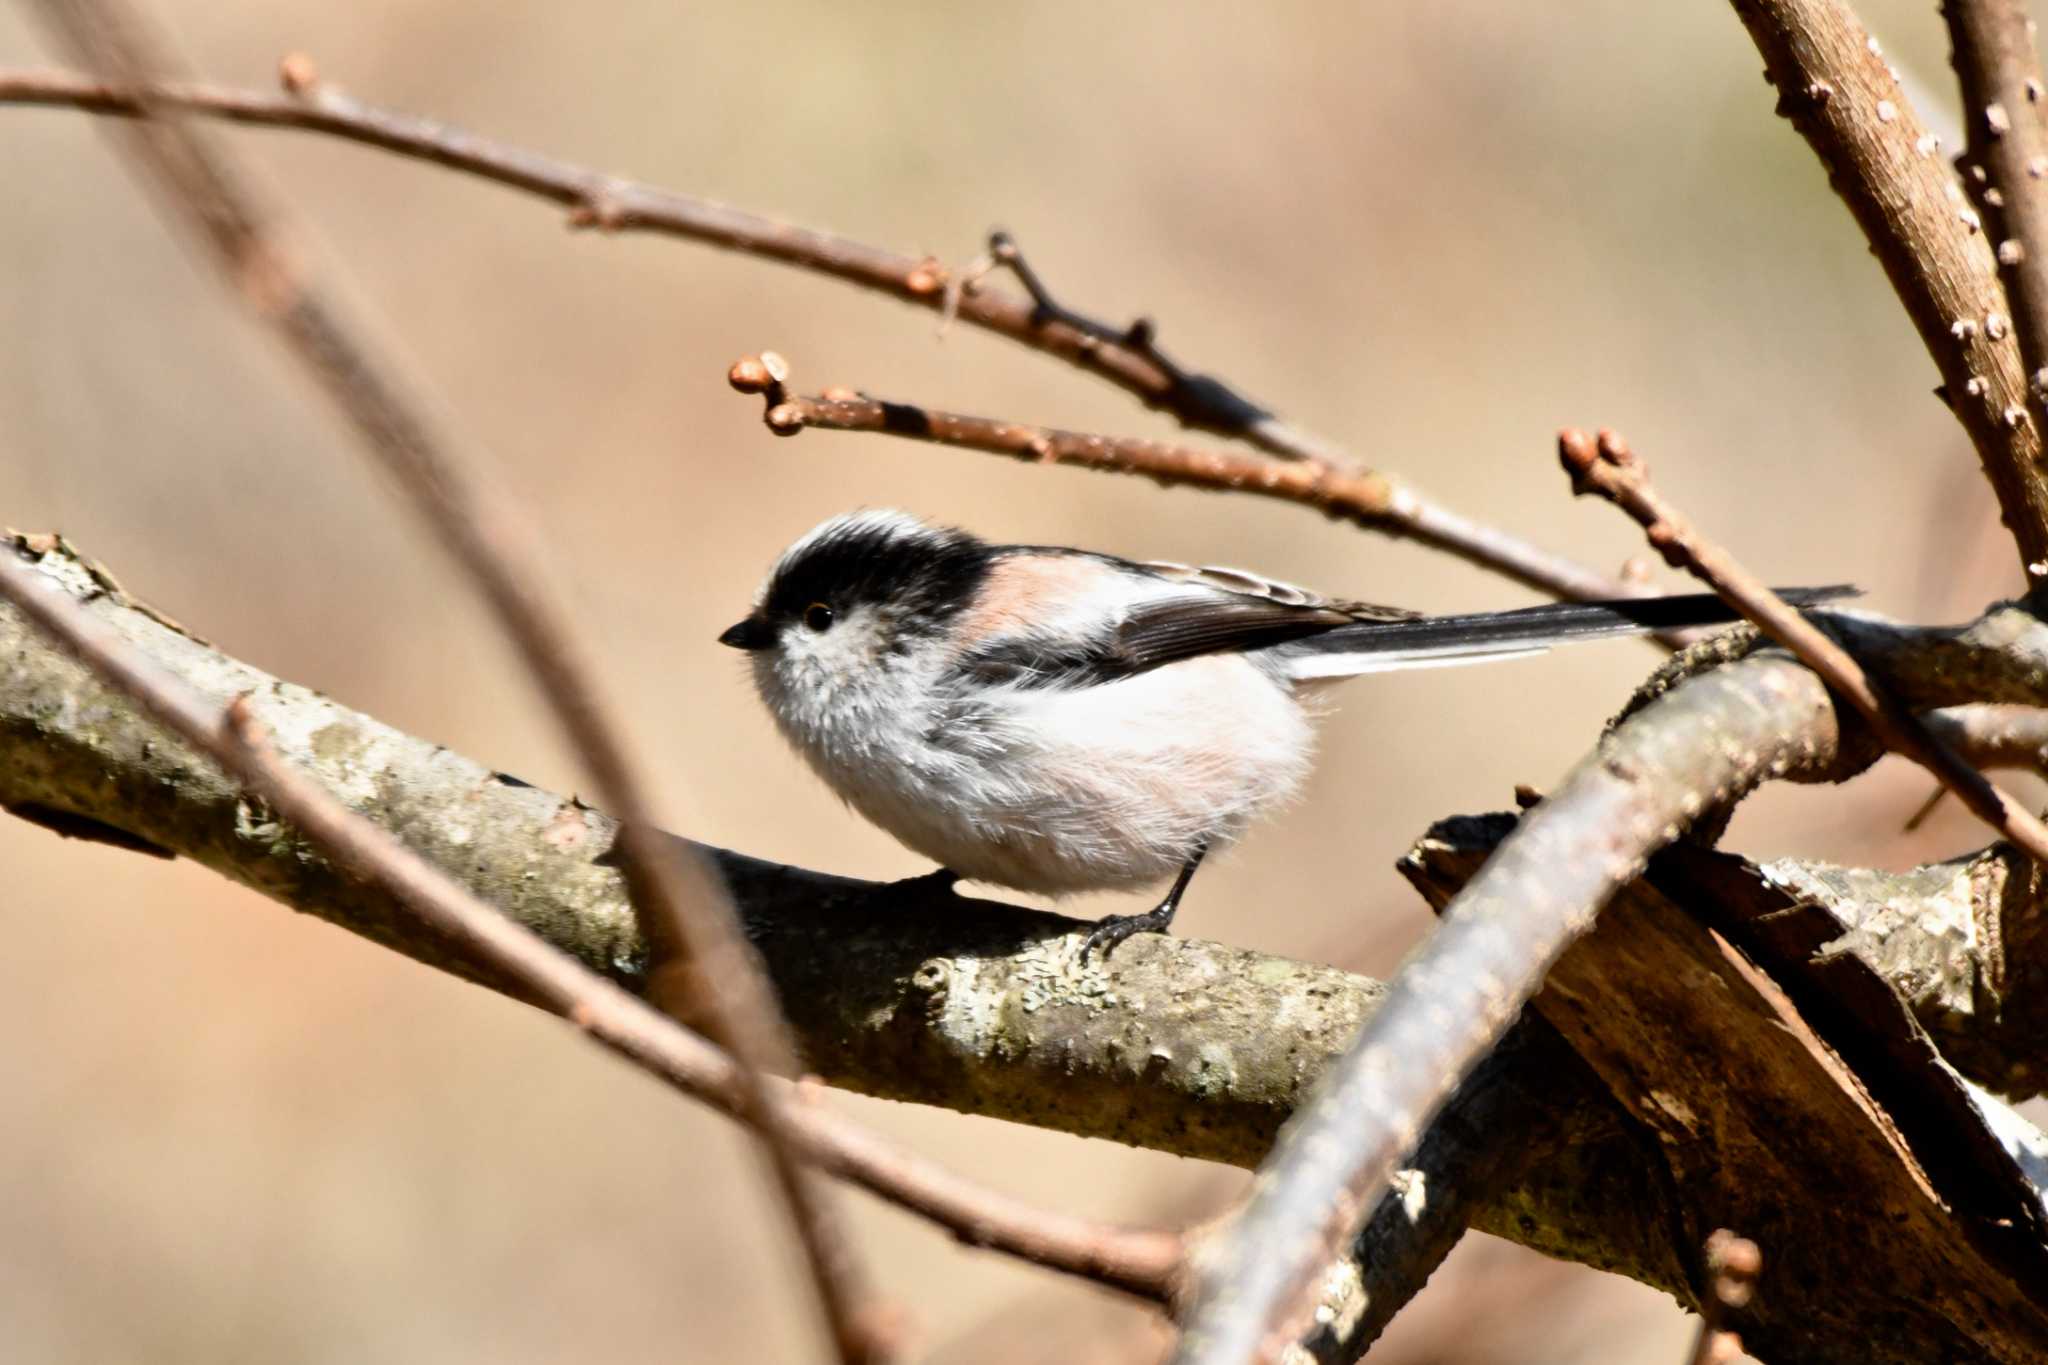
{"x": 1835, "y": 86}
{"x": 1180, "y": 1045}
{"x": 1824, "y": 1127}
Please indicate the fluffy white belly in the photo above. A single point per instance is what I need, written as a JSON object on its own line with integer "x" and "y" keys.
{"x": 1110, "y": 787}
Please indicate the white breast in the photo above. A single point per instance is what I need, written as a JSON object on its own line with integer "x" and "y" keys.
{"x": 1057, "y": 790}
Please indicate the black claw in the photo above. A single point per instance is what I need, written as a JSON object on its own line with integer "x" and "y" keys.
{"x": 1116, "y": 928}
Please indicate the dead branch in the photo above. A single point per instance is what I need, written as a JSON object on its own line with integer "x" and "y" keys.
{"x": 706, "y": 965}
{"x": 1836, "y": 88}
{"x": 1614, "y": 473}
{"x": 2006, "y": 160}
{"x": 486, "y": 941}
{"x": 617, "y": 205}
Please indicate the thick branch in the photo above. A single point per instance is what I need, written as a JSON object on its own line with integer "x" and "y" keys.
{"x": 1791, "y": 1095}
{"x": 1880, "y": 158}
{"x": 1186, "y": 1046}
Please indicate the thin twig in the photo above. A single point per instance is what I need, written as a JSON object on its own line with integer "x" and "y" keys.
{"x": 687, "y": 921}
{"x": 1835, "y": 86}
{"x": 1733, "y": 1263}
{"x": 2006, "y": 163}
{"x": 613, "y": 204}
{"x": 1363, "y": 498}
{"x": 617, "y": 205}
{"x": 1612, "y": 471}
{"x": 1142, "y": 1262}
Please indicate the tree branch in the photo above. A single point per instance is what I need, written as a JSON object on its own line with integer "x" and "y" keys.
{"x": 1613, "y": 472}
{"x": 1185, "y": 1046}
{"x": 2007, "y": 160}
{"x": 1714, "y": 736}
{"x": 1707, "y": 741}
{"x": 1791, "y": 1095}
{"x": 1363, "y": 498}
{"x": 1880, "y": 158}
{"x": 707, "y": 966}
{"x": 485, "y": 941}
{"x": 618, "y": 205}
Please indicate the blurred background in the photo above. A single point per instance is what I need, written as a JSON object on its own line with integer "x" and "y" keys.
{"x": 1435, "y": 233}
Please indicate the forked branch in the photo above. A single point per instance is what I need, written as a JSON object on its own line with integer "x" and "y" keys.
{"x": 1611, "y": 470}
{"x": 1129, "y": 359}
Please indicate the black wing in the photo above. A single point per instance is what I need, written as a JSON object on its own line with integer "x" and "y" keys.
{"x": 1220, "y": 610}
{"x": 1155, "y": 634}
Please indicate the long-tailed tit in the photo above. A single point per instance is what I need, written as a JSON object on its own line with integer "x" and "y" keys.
{"x": 1055, "y": 720}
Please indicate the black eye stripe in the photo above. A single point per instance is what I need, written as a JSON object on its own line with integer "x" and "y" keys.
{"x": 926, "y": 574}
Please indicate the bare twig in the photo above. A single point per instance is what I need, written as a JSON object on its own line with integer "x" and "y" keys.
{"x": 1137, "y": 1261}
{"x": 617, "y": 205}
{"x": 1612, "y": 471}
{"x": 1695, "y": 747}
{"x": 2006, "y": 162}
{"x": 1733, "y": 1264}
{"x": 1836, "y": 88}
{"x": 1362, "y": 497}
{"x": 687, "y": 921}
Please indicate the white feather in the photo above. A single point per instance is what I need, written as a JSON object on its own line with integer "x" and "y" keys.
{"x": 1312, "y": 667}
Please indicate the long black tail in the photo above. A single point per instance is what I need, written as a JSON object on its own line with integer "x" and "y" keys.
{"x": 1376, "y": 646}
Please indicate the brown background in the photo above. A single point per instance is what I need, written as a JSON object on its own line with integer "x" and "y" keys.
{"x": 1436, "y": 233}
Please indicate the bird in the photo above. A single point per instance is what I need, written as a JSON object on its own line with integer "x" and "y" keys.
{"x": 1058, "y": 720}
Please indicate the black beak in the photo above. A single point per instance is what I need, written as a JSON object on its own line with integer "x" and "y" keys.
{"x": 750, "y": 634}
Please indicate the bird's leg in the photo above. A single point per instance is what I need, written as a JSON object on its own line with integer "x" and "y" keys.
{"x": 1116, "y": 928}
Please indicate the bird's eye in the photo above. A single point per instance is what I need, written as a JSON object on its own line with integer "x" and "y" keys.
{"x": 818, "y": 616}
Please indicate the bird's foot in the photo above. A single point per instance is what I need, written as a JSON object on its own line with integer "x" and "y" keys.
{"x": 1116, "y": 928}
